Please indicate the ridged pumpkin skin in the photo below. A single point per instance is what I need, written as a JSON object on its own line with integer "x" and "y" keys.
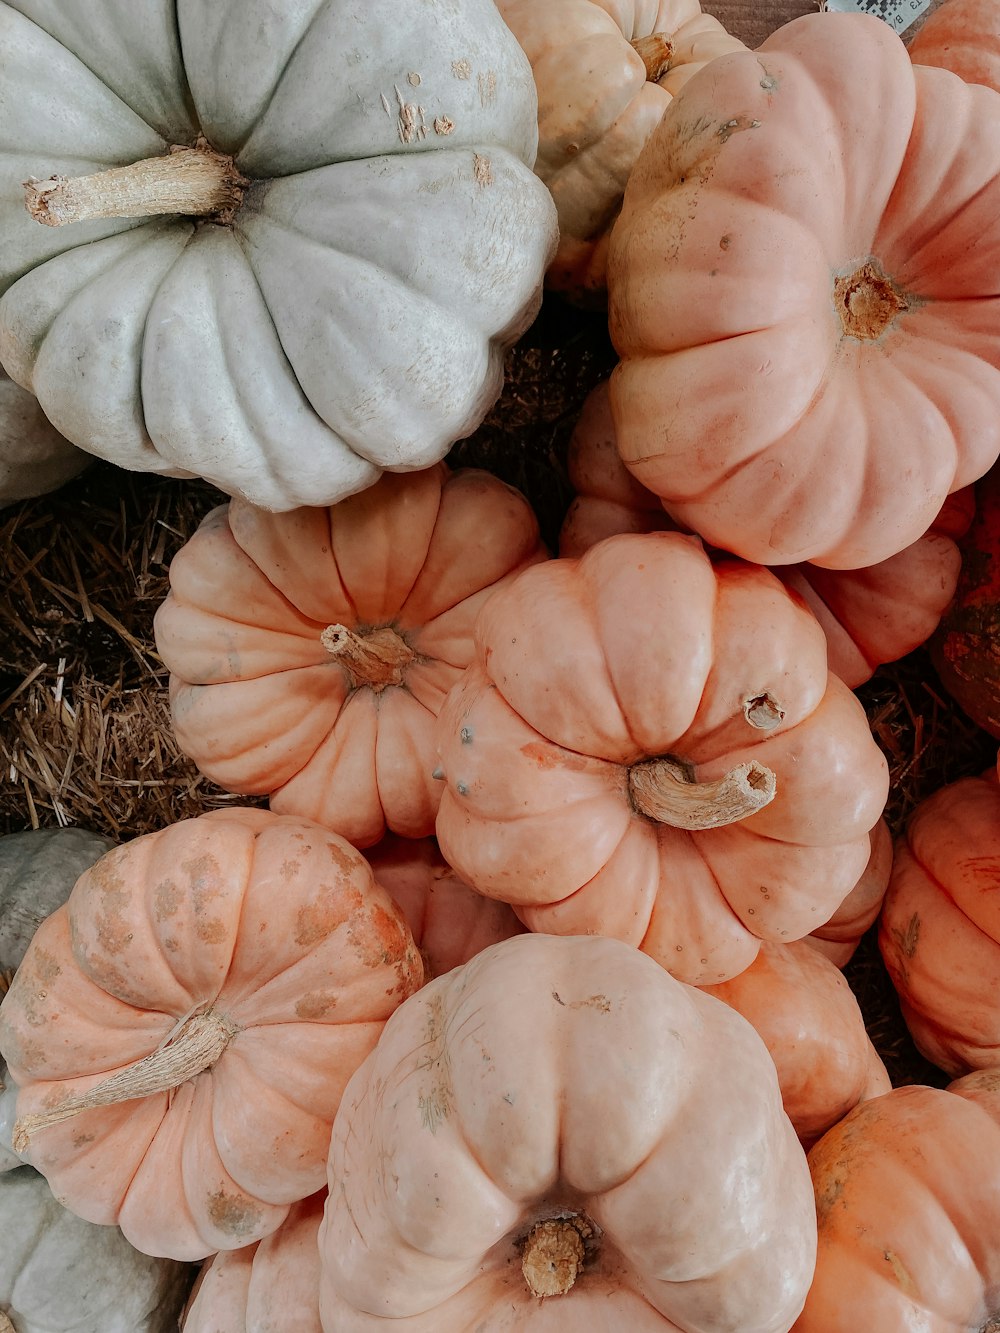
{"x": 450, "y": 923}
{"x": 597, "y": 104}
{"x": 353, "y": 314}
{"x": 262, "y": 706}
{"x": 548, "y": 1077}
{"x": 940, "y": 926}
{"x": 643, "y": 650}
{"x": 838, "y": 938}
{"x": 870, "y": 616}
{"x": 271, "y": 1287}
{"x": 908, "y": 1199}
{"x": 963, "y": 36}
{"x": 34, "y": 457}
{"x": 810, "y": 340}
{"x": 266, "y": 927}
{"x": 807, "y": 1016}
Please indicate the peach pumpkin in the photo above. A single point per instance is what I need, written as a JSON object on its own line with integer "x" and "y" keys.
{"x": 605, "y": 71}
{"x": 183, "y": 1028}
{"x": 908, "y": 1202}
{"x": 810, "y": 338}
{"x": 650, "y": 746}
{"x": 963, "y": 36}
{"x": 940, "y": 926}
{"x": 870, "y": 616}
{"x": 838, "y": 938}
{"x": 310, "y": 651}
{"x": 561, "y": 1119}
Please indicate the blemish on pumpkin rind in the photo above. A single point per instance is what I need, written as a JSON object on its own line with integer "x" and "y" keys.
{"x": 900, "y": 1272}
{"x": 385, "y": 945}
{"x": 317, "y": 920}
{"x": 315, "y": 1005}
{"x": 211, "y": 932}
{"x": 166, "y": 899}
{"x": 233, "y": 1214}
{"x": 436, "y": 1102}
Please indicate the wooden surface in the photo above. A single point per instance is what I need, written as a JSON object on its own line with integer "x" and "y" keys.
{"x": 753, "y": 20}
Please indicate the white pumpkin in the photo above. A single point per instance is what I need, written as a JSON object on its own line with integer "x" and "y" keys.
{"x": 34, "y": 457}
{"x": 340, "y": 297}
{"x": 9, "y": 1159}
{"x": 59, "y": 1274}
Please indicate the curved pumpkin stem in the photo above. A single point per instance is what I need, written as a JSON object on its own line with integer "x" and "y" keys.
{"x": 662, "y": 789}
{"x": 377, "y": 659}
{"x": 199, "y": 1043}
{"x": 190, "y": 182}
{"x": 554, "y": 1254}
{"x": 656, "y": 52}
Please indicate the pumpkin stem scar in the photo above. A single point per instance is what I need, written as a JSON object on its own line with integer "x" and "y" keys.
{"x": 377, "y": 659}
{"x": 553, "y": 1254}
{"x": 656, "y": 52}
{"x": 663, "y": 790}
{"x": 867, "y": 301}
{"x": 188, "y": 182}
{"x": 198, "y": 1045}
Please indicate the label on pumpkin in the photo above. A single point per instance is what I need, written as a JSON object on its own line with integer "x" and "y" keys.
{"x": 899, "y": 14}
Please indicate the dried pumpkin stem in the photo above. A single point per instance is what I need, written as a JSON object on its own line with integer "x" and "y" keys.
{"x": 663, "y": 790}
{"x": 377, "y": 659}
{"x": 553, "y": 1254}
{"x": 867, "y": 302}
{"x": 199, "y": 1043}
{"x": 192, "y": 182}
{"x": 5, "y": 1325}
{"x": 656, "y": 52}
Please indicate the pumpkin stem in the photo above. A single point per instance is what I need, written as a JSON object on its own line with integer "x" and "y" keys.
{"x": 193, "y": 182}
{"x": 5, "y": 1325}
{"x": 867, "y": 301}
{"x": 377, "y": 659}
{"x": 199, "y": 1043}
{"x": 664, "y": 790}
{"x": 554, "y": 1253}
{"x": 656, "y": 52}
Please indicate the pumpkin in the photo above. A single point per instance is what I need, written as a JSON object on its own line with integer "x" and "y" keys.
{"x": 650, "y": 746}
{"x": 908, "y": 1202}
{"x": 34, "y": 457}
{"x": 182, "y": 1028}
{"x": 450, "y": 923}
{"x": 871, "y": 616}
{"x": 59, "y": 1274}
{"x": 963, "y": 36}
{"x": 271, "y": 1287}
{"x": 310, "y": 652}
{"x": 560, "y": 1119}
{"x": 939, "y": 931}
{"x": 605, "y": 71}
{"x": 806, "y": 1014}
{"x": 810, "y": 340}
{"x": 321, "y": 233}
{"x": 966, "y": 648}
{"x": 838, "y": 938}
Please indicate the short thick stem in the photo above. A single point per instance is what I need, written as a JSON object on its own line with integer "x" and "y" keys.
{"x": 656, "y": 52}
{"x": 191, "y": 182}
{"x": 198, "y": 1044}
{"x": 662, "y": 790}
{"x": 867, "y": 302}
{"x": 377, "y": 659}
{"x": 553, "y": 1255}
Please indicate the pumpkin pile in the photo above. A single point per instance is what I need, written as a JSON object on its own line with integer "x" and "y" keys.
{"x": 499, "y": 971}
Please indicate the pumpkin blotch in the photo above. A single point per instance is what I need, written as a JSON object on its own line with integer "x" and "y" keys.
{"x": 233, "y": 1214}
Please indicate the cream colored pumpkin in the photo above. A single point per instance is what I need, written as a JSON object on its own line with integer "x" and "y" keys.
{"x": 34, "y": 457}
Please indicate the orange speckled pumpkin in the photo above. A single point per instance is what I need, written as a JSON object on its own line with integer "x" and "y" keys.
{"x": 940, "y": 927}
{"x": 908, "y": 1201}
{"x": 807, "y": 313}
{"x": 271, "y": 1287}
{"x": 870, "y": 616}
{"x": 561, "y": 1119}
{"x": 183, "y": 1028}
{"x": 963, "y": 36}
{"x": 650, "y": 746}
{"x": 605, "y": 71}
{"x": 809, "y": 1020}
{"x": 310, "y": 651}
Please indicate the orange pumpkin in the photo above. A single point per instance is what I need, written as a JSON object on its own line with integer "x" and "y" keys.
{"x": 940, "y": 926}
{"x": 838, "y": 938}
{"x": 605, "y": 71}
{"x": 963, "y": 36}
{"x": 870, "y": 616}
{"x": 908, "y": 1202}
{"x": 808, "y": 319}
{"x": 270, "y": 1287}
{"x": 310, "y": 651}
{"x": 806, "y": 1014}
{"x": 561, "y": 1119}
{"x": 183, "y": 1028}
{"x": 450, "y": 923}
{"x": 650, "y": 746}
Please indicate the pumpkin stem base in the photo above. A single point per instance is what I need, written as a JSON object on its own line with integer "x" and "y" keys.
{"x": 377, "y": 659}
{"x": 867, "y": 302}
{"x": 189, "y": 182}
{"x": 554, "y": 1253}
{"x": 663, "y": 790}
{"x": 196, "y": 1046}
{"x": 5, "y": 1325}
{"x": 656, "y": 52}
